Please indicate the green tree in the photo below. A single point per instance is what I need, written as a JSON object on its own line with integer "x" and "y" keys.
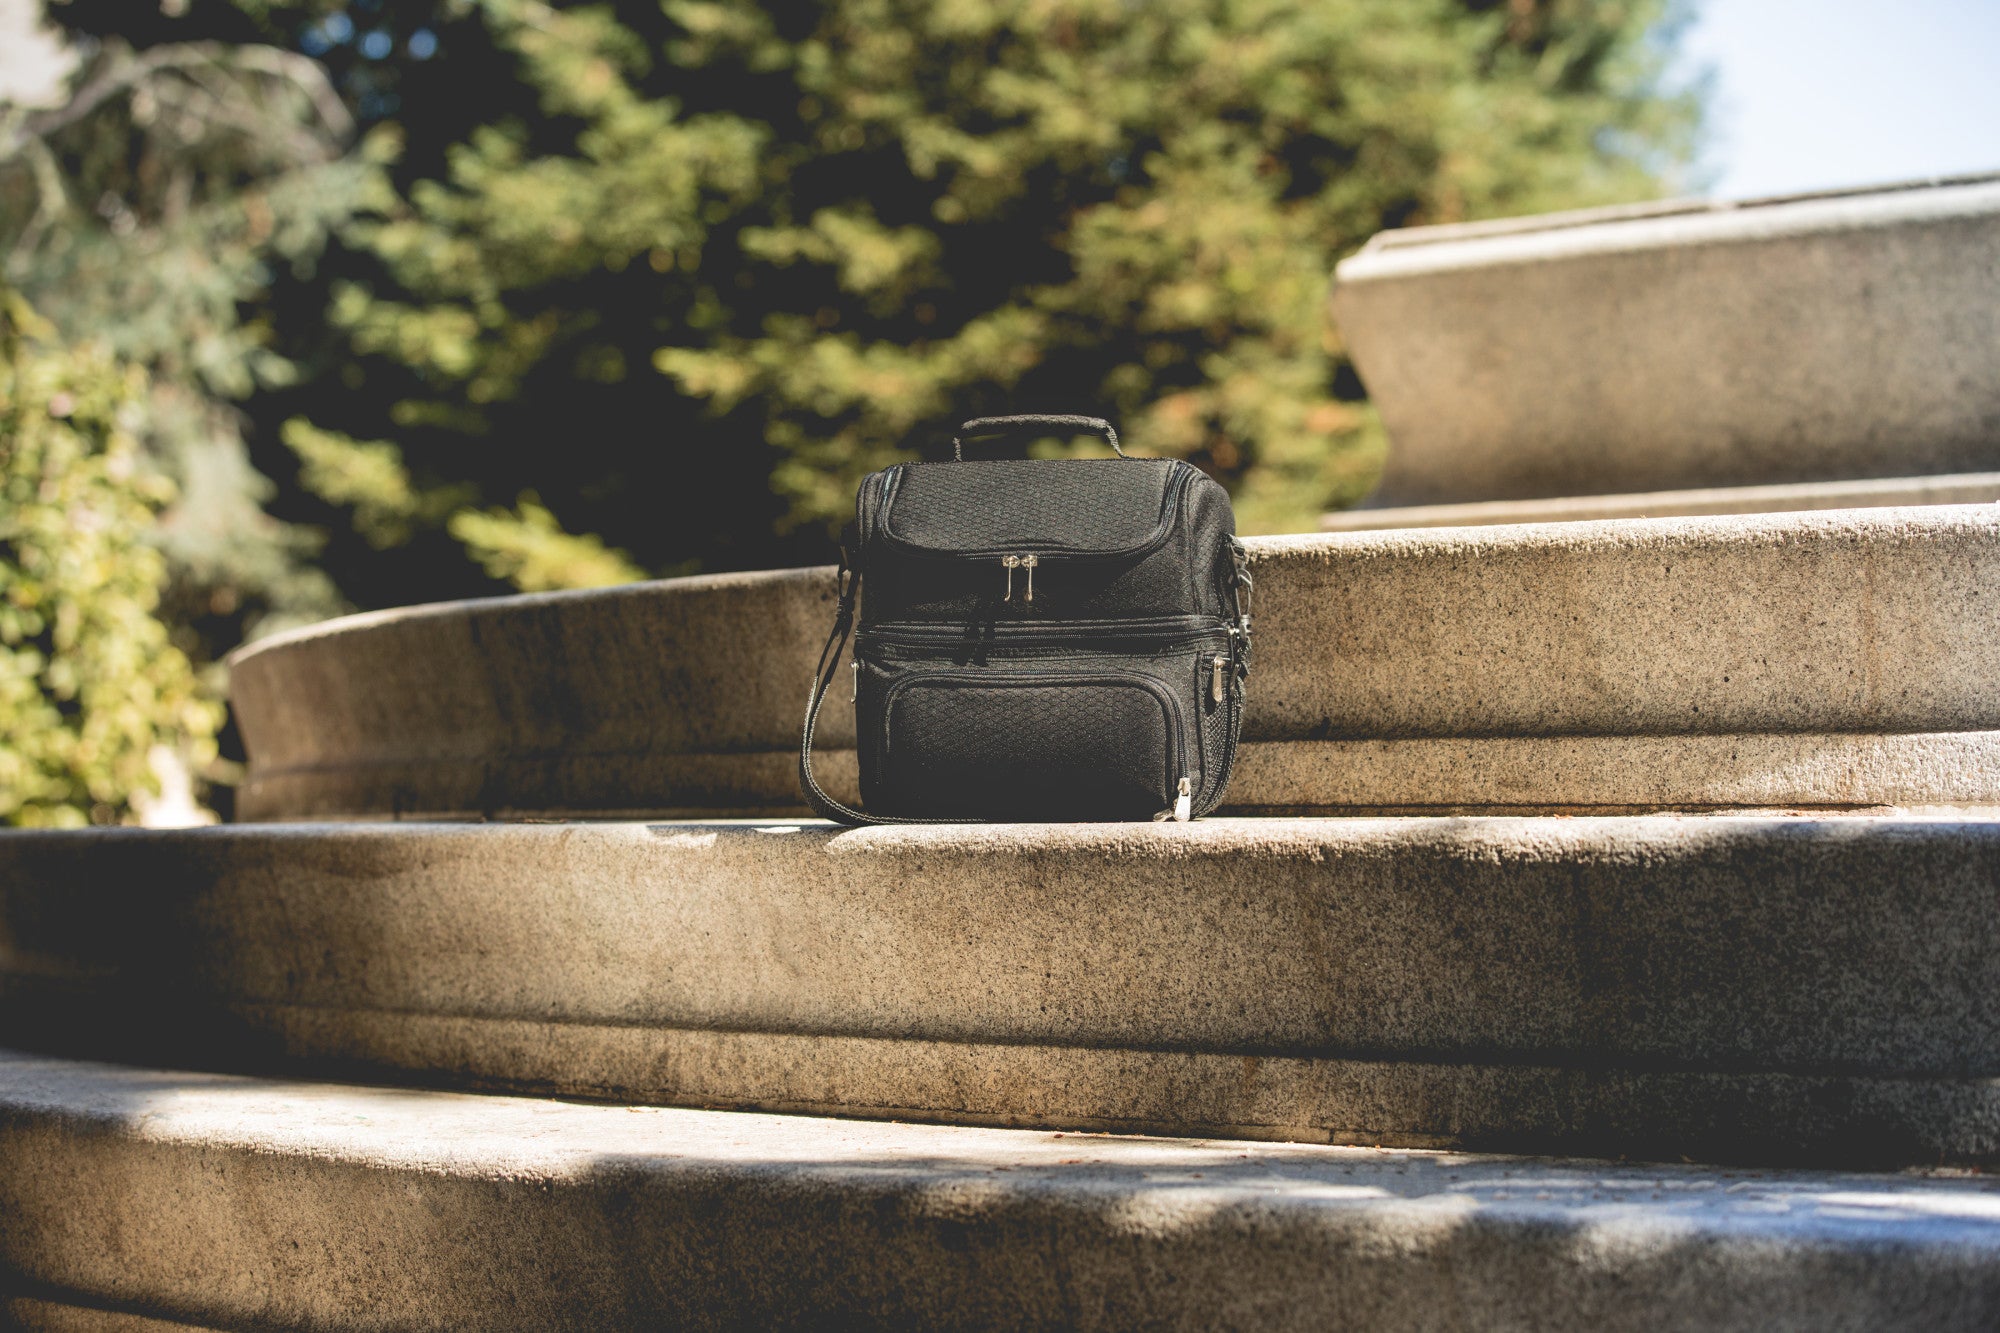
{"x": 147, "y": 202}
{"x": 733, "y": 242}
{"x": 93, "y": 697}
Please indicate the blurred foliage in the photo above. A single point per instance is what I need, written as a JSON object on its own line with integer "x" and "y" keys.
{"x": 689, "y": 247}
{"x": 148, "y": 210}
{"x": 90, "y": 687}
{"x": 366, "y": 302}
{"x": 677, "y": 273}
{"x": 526, "y": 547}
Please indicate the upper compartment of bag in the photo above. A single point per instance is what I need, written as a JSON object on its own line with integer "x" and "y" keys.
{"x": 1070, "y": 506}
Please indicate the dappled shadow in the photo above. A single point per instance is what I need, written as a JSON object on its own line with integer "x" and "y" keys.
{"x": 252, "y": 1204}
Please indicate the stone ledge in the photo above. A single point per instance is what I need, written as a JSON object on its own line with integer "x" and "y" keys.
{"x": 277, "y": 1204}
{"x": 1796, "y": 340}
{"x": 1461, "y": 774}
{"x": 1850, "y": 638}
{"x": 1743, "y": 988}
{"x": 1887, "y": 492}
{"x": 1616, "y": 774}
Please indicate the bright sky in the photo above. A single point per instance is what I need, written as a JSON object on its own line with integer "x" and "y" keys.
{"x": 1818, "y": 93}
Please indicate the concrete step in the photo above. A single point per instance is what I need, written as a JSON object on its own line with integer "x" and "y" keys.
{"x": 1884, "y": 492}
{"x": 131, "y": 1194}
{"x": 1683, "y": 344}
{"x": 1837, "y": 658}
{"x": 1724, "y": 988}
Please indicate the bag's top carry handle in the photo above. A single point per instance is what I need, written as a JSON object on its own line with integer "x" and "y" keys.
{"x": 1013, "y": 425}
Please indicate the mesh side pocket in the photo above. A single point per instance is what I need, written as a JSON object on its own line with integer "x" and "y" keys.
{"x": 1031, "y": 748}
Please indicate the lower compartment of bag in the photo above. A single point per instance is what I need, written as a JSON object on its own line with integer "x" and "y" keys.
{"x": 1053, "y": 729}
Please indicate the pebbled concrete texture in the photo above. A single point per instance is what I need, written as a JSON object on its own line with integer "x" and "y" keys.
{"x": 33, "y": 1314}
{"x": 1739, "y": 988}
{"x": 1809, "y": 339}
{"x": 239, "y": 1202}
{"x": 1876, "y": 620}
{"x": 1476, "y": 775}
{"x": 637, "y": 697}
{"x": 1888, "y": 492}
{"x": 1834, "y": 658}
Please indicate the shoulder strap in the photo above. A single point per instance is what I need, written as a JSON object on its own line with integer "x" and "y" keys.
{"x": 847, "y": 584}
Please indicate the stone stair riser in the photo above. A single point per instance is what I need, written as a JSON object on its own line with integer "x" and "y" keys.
{"x": 1718, "y": 345}
{"x": 1850, "y": 637}
{"x": 1598, "y": 984}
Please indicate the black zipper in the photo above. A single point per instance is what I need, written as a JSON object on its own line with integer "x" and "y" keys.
{"x": 1157, "y": 631}
{"x": 1176, "y": 756}
{"x": 1232, "y": 721}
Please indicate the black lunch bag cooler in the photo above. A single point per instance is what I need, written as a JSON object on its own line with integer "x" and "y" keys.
{"x": 1040, "y": 639}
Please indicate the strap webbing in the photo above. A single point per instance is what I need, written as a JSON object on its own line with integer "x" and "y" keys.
{"x": 829, "y": 666}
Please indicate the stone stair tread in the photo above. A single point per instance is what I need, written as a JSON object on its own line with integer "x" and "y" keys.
{"x": 280, "y": 1203}
{"x": 1760, "y": 987}
{"x": 1884, "y": 492}
{"x": 1840, "y": 657}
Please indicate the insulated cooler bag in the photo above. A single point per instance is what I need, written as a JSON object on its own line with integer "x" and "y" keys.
{"x": 1040, "y": 639}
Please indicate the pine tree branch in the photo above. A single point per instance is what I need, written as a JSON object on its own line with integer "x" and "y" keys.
{"x": 125, "y": 72}
{"x": 51, "y": 200}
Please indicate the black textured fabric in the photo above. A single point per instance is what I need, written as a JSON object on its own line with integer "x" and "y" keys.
{"x": 1041, "y": 639}
{"x": 1024, "y": 504}
{"x": 1016, "y": 746}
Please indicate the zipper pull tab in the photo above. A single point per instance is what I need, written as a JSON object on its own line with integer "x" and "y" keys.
{"x": 1028, "y": 562}
{"x": 1184, "y": 802}
{"x": 1010, "y": 563}
{"x": 855, "y": 693}
{"x": 1215, "y": 680}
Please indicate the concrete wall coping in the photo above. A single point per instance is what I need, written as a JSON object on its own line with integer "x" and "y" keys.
{"x": 1884, "y": 492}
{"x": 1650, "y": 208}
{"x": 1812, "y": 339}
{"x": 1673, "y": 224}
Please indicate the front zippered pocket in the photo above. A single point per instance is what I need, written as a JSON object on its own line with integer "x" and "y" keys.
{"x": 1031, "y": 739}
{"x": 1012, "y": 548}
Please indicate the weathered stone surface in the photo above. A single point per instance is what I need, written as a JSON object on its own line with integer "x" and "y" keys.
{"x": 1951, "y": 489}
{"x": 1834, "y": 658}
{"x": 1617, "y": 774}
{"x": 1728, "y": 988}
{"x": 1687, "y": 344}
{"x": 33, "y": 1314}
{"x": 1877, "y": 620}
{"x": 240, "y": 1203}
{"x": 640, "y": 698}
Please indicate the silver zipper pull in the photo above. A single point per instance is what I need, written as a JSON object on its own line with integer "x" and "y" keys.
{"x": 1184, "y": 802}
{"x": 1010, "y": 563}
{"x": 855, "y": 693}
{"x": 1028, "y": 562}
{"x": 1215, "y": 681}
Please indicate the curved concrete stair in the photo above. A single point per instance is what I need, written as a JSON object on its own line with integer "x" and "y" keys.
{"x": 1684, "y": 343}
{"x": 1725, "y": 988}
{"x": 1843, "y": 658}
{"x": 135, "y": 1194}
